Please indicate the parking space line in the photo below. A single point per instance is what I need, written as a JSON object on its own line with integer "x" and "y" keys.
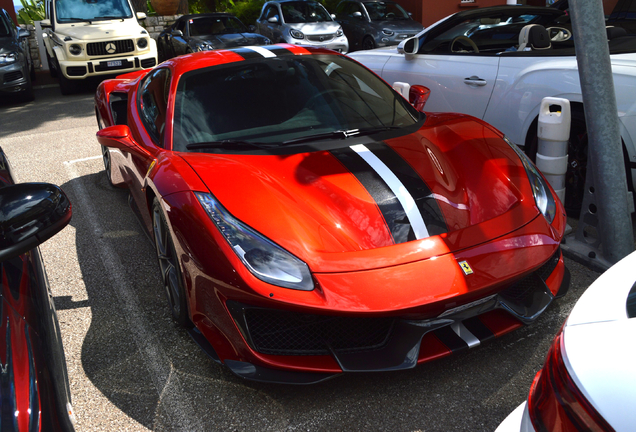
{"x": 167, "y": 384}
{"x": 82, "y": 160}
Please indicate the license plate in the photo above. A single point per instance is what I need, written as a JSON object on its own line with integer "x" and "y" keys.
{"x": 113, "y": 63}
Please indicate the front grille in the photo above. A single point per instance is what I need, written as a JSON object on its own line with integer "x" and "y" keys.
{"x": 288, "y": 333}
{"x": 546, "y": 269}
{"x": 76, "y": 70}
{"x": 106, "y": 48}
{"x": 148, "y": 63}
{"x": 12, "y": 76}
{"x": 320, "y": 38}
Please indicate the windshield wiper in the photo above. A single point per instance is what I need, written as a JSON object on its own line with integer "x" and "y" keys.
{"x": 369, "y": 131}
{"x": 230, "y": 143}
{"x": 342, "y": 134}
{"x": 107, "y": 17}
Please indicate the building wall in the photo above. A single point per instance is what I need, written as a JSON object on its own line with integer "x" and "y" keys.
{"x": 430, "y": 11}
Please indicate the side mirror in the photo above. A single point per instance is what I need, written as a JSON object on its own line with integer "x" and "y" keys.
{"x": 23, "y": 33}
{"x": 333, "y": 16}
{"x": 141, "y": 16}
{"x": 119, "y": 137}
{"x": 418, "y": 95}
{"x": 409, "y": 47}
{"x": 357, "y": 14}
{"x": 30, "y": 214}
{"x": 273, "y": 20}
{"x": 177, "y": 33}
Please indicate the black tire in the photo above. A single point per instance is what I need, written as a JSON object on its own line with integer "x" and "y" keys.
{"x": 52, "y": 68}
{"x": 66, "y": 85}
{"x": 169, "y": 267}
{"x": 27, "y": 95}
{"x": 577, "y": 161}
{"x": 107, "y": 166}
{"x": 368, "y": 43}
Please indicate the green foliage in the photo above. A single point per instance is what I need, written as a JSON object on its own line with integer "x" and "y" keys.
{"x": 32, "y": 10}
{"x": 247, "y": 11}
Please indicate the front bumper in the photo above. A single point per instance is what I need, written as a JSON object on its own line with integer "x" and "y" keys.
{"x": 339, "y": 44}
{"x": 373, "y": 344}
{"x": 13, "y": 78}
{"x": 78, "y": 69}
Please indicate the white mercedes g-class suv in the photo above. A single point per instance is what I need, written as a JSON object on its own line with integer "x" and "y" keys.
{"x": 85, "y": 38}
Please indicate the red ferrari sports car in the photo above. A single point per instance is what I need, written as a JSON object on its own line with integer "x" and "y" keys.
{"x": 309, "y": 221}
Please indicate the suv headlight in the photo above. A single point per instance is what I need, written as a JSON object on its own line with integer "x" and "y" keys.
{"x": 75, "y": 49}
{"x": 387, "y": 32}
{"x": 263, "y": 258}
{"x": 9, "y": 58}
{"x": 540, "y": 189}
{"x": 142, "y": 43}
{"x": 296, "y": 34}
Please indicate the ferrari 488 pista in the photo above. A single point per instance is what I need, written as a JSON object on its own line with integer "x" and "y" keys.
{"x": 309, "y": 221}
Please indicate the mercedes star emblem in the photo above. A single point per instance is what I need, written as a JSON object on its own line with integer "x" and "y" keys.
{"x": 111, "y": 48}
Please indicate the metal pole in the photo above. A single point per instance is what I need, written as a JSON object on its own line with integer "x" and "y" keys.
{"x": 605, "y": 154}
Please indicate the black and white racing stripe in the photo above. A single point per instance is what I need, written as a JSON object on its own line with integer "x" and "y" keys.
{"x": 252, "y": 52}
{"x": 407, "y": 204}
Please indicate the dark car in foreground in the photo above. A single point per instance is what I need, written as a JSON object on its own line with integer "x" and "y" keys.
{"x": 309, "y": 221}
{"x": 34, "y": 387}
{"x": 371, "y": 24}
{"x": 16, "y": 66}
{"x": 204, "y": 32}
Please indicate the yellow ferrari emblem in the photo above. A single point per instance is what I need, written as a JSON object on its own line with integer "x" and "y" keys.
{"x": 466, "y": 268}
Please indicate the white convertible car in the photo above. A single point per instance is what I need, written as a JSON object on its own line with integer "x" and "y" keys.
{"x": 476, "y": 62}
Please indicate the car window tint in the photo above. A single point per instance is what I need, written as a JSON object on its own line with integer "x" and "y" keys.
{"x": 303, "y": 95}
{"x": 271, "y": 11}
{"x": 181, "y": 25}
{"x": 301, "y": 12}
{"x": 385, "y": 11}
{"x": 67, "y": 10}
{"x": 4, "y": 26}
{"x": 215, "y": 25}
{"x": 153, "y": 101}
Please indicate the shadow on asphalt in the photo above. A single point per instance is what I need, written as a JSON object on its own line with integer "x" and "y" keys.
{"x": 472, "y": 390}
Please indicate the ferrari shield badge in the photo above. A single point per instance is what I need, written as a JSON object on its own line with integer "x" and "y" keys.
{"x": 465, "y": 268}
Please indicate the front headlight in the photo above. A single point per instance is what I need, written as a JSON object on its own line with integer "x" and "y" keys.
{"x": 75, "y": 49}
{"x": 339, "y": 32}
{"x": 262, "y": 257}
{"x": 296, "y": 34}
{"x": 540, "y": 189}
{"x": 387, "y": 32}
{"x": 142, "y": 43}
{"x": 12, "y": 57}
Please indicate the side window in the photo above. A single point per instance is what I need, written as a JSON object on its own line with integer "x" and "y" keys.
{"x": 181, "y": 25}
{"x": 271, "y": 11}
{"x": 153, "y": 101}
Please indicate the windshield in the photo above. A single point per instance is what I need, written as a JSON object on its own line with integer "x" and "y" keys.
{"x": 304, "y": 12}
{"x": 385, "y": 11}
{"x": 91, "y": 10}
{"x": 216, "y": 25}
{"x": 4, "y": 29}
{"x": 282, "y": 99}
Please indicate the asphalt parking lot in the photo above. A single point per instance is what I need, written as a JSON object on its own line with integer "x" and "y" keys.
{"x": 132, "y": 369}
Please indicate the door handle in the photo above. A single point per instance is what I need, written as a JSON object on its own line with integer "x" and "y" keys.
{"x": 475, "y": 81}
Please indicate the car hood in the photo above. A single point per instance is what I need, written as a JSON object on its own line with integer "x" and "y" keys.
{"x": 231, "y": 40}
{"x": 468, "y": 184}
{"x": 100, "y": 30}
{"x": 7, "y": 45}
{"x": 316, "y": 28}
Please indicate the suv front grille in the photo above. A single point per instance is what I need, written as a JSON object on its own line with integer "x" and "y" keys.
{"x": 106, "y": 48}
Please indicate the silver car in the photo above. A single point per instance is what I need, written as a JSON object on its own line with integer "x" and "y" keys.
{"x": 305, "y": 23}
